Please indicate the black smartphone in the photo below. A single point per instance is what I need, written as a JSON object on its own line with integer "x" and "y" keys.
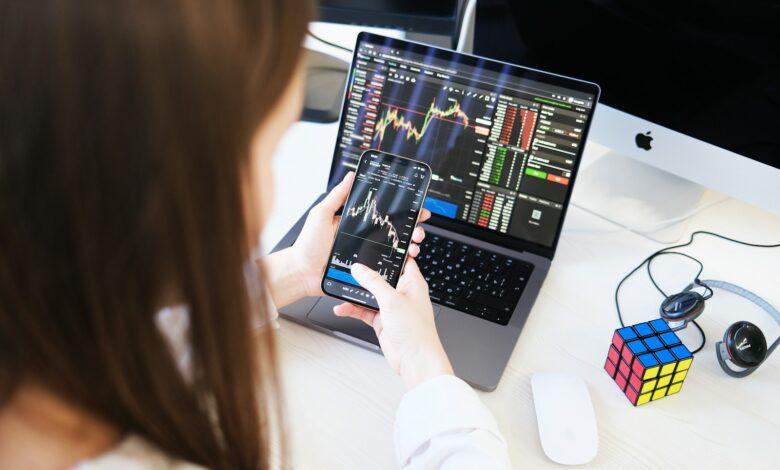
{"x": 381, "y": 212}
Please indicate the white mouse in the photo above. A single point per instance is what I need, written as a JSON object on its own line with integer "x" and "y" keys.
{"x": 564, "y": 413}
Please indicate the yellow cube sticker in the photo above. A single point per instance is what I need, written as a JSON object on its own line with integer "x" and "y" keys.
{"x": 643, "y": 398}
{"x": 660, "y": 393}
{"x": 674, "y": 388}
{"x": 684, "y": 364}
{"x": 680, "y": 376}
{"x": 664, "y": 381}
{"x": 651, "y": 372}
{"x": 667, "y": 369}
{"x": 648, "y": 386}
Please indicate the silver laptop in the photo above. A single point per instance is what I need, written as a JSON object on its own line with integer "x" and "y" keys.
{"x": 504, "y": 143}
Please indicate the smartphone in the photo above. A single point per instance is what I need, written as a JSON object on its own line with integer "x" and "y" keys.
{"x": 381, "y": 212}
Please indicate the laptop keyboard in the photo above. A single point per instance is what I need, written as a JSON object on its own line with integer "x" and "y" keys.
{"x": 475, "y": 281}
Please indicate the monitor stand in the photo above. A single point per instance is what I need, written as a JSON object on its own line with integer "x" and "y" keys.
{"x": 325, "y": 78}
{"x": 638, "y": 197}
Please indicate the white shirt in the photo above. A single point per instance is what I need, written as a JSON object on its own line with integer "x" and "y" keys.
{"x": 440, "y": 424}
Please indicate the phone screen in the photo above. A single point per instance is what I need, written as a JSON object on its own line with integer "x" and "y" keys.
{"x": 376, "y": 225}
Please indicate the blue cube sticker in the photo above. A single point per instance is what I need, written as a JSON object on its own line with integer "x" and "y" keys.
{"x": 670, "y": 339}
{"x": 627, "y": 333}
{"x": 681, "y": 352}
{"x": 648, "y": 360}
{"x": 664, "y": 356}
{"x": 660, "y": 325}
{"x": 636, "y": 347}
{"x": 653, "y": 343}
{"x": 643, "y": 329}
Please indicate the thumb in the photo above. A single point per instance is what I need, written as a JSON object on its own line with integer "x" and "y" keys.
{"x": 338, "y": 195}
{"x": 412, "y": 278}
{"x": 371, "y": 280}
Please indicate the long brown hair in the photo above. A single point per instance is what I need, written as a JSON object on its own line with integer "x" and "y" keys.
{"x": 125, "y": 129}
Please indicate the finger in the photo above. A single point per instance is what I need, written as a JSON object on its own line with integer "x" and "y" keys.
{"x": 373, "y": 282}
{"x": 411, "y": 268}
{"x": 412, "y": 279}
{"x": 337, "y": 196}
{"x": 425, "y": 214}
{"x": 418, "y": 235}
{"x": 414, "y": 250}
{"x": 353, "y": 311}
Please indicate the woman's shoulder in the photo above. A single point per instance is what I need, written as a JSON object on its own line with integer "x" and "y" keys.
{"x": 135, "y": 453}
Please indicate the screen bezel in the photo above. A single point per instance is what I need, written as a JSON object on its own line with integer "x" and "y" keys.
{"x": 396, "y": 159}
{"x": 502, "y": 67}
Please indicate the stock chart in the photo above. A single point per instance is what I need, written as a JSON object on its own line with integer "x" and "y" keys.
{"x": 501, "y": 149}
{"x": 378, "y": 219}
{"x": 440, "y": 125}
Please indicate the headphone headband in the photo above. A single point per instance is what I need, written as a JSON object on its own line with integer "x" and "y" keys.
{"x": 742, "y": 292}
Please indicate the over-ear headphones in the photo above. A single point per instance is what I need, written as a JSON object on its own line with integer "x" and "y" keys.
{"x": 744, "y": 344}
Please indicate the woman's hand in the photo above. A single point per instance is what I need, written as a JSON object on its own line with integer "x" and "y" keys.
{"x": 297, "y": 271}
{"x": 404, "y": 324}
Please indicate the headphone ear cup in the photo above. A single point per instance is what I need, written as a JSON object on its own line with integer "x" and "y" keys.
{"x": 683, "y": 306}
{"x": 745, "y": 344}
{"x": 724, "y": 360}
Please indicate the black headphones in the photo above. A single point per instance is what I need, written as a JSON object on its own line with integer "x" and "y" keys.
{"x": 744, "y": 344}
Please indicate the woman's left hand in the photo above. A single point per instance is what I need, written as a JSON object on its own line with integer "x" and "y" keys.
{"x": 297, "y": 271}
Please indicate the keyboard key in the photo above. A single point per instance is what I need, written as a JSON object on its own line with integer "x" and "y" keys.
{"x": 495, "y": 303}
{"x": 473, "y": 280}
{"x": 436, "y": 295}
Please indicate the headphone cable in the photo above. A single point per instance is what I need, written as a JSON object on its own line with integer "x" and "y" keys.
{"x": 668, "y": 250}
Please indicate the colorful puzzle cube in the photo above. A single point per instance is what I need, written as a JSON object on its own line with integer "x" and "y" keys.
{"x": 648, "y": 361}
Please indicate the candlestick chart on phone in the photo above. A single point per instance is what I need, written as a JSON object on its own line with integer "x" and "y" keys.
{"x": 377, "y": 222}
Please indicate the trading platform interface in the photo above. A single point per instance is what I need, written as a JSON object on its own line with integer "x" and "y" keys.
{"x": 502, "y": 148}
{"x": 377, "y": 223}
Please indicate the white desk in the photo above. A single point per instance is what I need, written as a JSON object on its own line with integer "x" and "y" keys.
{"x": 341, "y": 399}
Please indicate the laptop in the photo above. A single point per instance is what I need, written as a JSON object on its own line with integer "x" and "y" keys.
{"x": 504, "y": 143}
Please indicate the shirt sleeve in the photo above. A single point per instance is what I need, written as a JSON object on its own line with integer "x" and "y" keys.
{"x": 442, "y": 424}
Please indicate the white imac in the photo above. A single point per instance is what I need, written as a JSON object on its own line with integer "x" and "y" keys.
{"x": 653, "y": 178}
{"x": 690, "y": 100}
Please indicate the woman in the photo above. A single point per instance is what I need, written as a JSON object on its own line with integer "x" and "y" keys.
{"x": 135, "y": 144}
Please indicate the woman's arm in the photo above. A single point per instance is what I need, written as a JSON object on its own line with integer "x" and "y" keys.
{"x": 285, "y": 278}
{"x": 441, "y": 423}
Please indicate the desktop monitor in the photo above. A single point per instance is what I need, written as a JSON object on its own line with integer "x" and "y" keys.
{"x": 690, "y": 88}
{"x": 436, "y": 17}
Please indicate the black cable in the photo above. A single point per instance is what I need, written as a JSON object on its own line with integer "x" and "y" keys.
{"x": 703, "y": 338}
{"x": 668, "y": 250}
{"x": 650, "y": 262}
{"x": 332, "y": 44}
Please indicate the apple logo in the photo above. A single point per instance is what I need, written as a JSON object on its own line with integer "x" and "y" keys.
{"x": 643, "y": 140}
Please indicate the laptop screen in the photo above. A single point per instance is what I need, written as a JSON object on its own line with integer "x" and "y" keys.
{"x": 504, "y": 142}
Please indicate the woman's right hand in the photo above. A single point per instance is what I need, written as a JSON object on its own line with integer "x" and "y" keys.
{"x": 404, "y": 324}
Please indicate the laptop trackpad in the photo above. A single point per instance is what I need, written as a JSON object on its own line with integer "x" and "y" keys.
{"x": 322, "y": 314}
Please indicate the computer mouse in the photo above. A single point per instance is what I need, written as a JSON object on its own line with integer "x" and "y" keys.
{"x": 564, "y": 414}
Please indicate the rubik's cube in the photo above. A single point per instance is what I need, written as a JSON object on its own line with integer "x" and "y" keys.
{"x": 647, "y": 361}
